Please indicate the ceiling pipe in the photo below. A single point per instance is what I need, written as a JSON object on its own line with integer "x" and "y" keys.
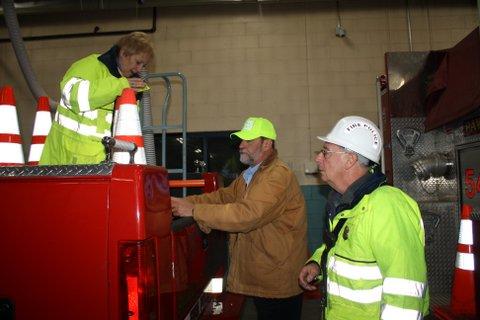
{"x": 49, "y": 6}
{"x": 19, "y": 47}
{"x": 94, "y": 33}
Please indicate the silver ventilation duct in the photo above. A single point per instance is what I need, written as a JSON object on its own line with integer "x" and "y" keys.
{"x": 21, "y": 53}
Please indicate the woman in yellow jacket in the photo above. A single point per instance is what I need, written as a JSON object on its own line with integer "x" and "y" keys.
{"x": 88, "y": 92}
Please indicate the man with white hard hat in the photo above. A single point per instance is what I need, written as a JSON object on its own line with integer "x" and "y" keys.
{"x": 263, "y": 210}
{"x": 372, "y": 263}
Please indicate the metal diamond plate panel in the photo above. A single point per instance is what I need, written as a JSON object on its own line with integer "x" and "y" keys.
{"x": 429, "y": 146}
{"x": 441, "y": 242}
{"x": 476, "y": 214}
{"x": 77, "y": 170}
{"x": 428, "y": 174}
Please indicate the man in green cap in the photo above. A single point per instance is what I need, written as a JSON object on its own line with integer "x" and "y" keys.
{"x": 264, "y": 212}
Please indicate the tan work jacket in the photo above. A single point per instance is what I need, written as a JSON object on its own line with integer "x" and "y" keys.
{"x": 268, "y": 230}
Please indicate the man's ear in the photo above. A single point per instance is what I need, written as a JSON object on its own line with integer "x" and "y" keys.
{"x": 267, "y": 144}
{"x": 351, "y": 160}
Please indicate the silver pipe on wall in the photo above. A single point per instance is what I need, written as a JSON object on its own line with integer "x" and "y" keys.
{"x": 147, "y": 123}
{"x": 378, "y": 89}
{"x": 409, "y": 25}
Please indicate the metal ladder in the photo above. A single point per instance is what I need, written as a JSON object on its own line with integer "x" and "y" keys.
{"x": 164, "y": 127}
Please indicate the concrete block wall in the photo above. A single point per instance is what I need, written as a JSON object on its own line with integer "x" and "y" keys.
{"x": 281, "y": 61}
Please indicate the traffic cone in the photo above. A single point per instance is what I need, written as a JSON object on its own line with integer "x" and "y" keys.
{"x": 127, "y": 127}
{"x": 43, "y": 122}
{"x": 462, "y": 303}
{"x": 11, "y": 152}
{"x": 463, "y": 292}
{"x": 115, "y": 114}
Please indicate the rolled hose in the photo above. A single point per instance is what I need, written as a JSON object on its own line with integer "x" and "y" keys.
{"x": 148, "y": 135}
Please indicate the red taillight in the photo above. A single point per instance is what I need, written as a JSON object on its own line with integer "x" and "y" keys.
{"x": 132, "y": 293}
{"x": 138, "y": 280}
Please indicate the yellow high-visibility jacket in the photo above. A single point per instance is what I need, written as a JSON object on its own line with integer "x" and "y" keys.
{"x": 85, "y": 113}
{"x": 377, "y": 268}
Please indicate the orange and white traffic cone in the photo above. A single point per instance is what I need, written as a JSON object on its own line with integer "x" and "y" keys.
{"x": 11, "y": 152}
{"x": 127, "y": 127}
{"x": 462, "y": 303}
{"x": 463, "y": 291}
{"x": 116, "y": 111}
{"x": 43, "y": 123}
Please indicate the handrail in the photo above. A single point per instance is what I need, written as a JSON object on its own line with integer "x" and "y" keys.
{"x": 194, "y": 183}
{"x": 209, "y": 182}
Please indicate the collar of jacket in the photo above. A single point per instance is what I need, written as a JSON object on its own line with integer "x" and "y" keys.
{"x": 109, "y": 59}
{"x": 269, "y": 160}
{"x": 365, "y": 185}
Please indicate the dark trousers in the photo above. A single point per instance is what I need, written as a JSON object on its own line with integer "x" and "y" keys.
{"x": 279, "y": 309}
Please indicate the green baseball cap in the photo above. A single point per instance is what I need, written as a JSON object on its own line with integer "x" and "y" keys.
{"x": 256, "y": 127}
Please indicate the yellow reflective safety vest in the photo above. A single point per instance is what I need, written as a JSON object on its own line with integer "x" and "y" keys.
{"x": 85, "y": 112}
{"x": 377, "y": 268}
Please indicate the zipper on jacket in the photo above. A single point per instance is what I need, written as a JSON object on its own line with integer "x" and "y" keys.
{"x": 353, "y": 260}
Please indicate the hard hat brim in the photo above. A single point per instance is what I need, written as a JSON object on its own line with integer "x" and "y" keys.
{"x": 328, "y": 140}
{"x": 331, "y": 141}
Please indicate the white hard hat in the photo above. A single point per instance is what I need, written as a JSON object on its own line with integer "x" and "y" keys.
{"x": 357, "y": 134}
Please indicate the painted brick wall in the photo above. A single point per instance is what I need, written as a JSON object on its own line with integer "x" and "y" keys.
{"x": 281, "y": 61}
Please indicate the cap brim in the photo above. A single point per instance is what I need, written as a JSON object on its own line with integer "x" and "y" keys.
{"x": 244, "y": 135}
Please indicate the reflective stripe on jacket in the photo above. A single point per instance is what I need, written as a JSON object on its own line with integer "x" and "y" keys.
{"x": 84, "y": 114}
{"x": 377, "y": 268}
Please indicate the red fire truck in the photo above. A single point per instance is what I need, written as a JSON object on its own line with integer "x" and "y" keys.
{"x": 99, "y": 242}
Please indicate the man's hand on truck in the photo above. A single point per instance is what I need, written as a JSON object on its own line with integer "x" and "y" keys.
{"x": 181, "y": 207}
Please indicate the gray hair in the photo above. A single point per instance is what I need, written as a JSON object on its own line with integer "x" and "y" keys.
{"x": 361, "y": 159}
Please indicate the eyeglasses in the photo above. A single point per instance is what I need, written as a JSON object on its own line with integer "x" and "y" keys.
{"x": 327, "y": 153}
